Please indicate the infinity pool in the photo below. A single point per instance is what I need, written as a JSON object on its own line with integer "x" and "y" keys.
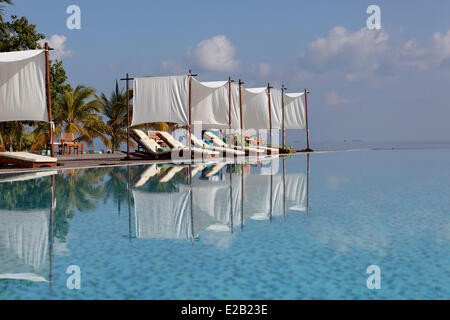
{"x": 259, "y": 230}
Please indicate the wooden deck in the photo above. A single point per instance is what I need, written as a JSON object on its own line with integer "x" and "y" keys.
{"x": 98, "y": 160}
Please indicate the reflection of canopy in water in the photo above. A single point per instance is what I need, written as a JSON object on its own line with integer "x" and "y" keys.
{"x": 167, "y": 215}
{"x": 295, "y": 192}
{"x": 218, "y": 200}
{"x": 24, "y": 243}
{"x": 258, "y": 194}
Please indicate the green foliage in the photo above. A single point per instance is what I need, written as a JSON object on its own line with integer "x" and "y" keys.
{"x": 58, "y": 81}
{"x": 77, "y": 115}
{"x": 114, "y": 109}
{"x": 19, "y": 34}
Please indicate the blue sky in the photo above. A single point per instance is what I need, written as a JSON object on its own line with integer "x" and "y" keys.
{"x": 389, "y": 84}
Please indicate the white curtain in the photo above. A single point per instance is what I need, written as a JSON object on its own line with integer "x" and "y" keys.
{"x": 161, "y": 99}
{"x": 294, "y": 111}
{"x": 22, "y": 86}
{"x": 210, "y": 104}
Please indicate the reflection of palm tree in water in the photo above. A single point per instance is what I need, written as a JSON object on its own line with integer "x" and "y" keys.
{"x": 116, "y": 187}
{"x": 76, "y": 190}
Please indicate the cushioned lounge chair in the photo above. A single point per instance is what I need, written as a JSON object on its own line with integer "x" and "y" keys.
{"x": 27, "y": 160}
{"x": 224, "y": 151}
{"x": 174, "y": 144}
{"x": 218, "y": 142}
{"x": 151, "y": 147}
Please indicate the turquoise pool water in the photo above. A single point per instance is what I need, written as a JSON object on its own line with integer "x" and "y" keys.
{"x": 252, "y": 231}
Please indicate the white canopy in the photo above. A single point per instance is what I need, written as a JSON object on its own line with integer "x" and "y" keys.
{"x": 255, "y": 108}
{"x": 161, "y": 99}
{"x": 166, "y": 99}
{"x": 22, "y": 86}
{"x": 210, "y": 104}
{"x": 294, "y": 111}
{"x": 276, "y": 108}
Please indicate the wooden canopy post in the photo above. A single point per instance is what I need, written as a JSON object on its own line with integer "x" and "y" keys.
{"x": 270, "y": 113}
{"x": 49, "y": 98}
{"x": 128, "y": 118}
{"x": 282, "y": 115}
{"x": 229, "y": 107}
{"x": 188, "y": 140}
{"x": 127, "y": 79}
{"x": 240, "y": 107}
{"x": 307, "y": 127}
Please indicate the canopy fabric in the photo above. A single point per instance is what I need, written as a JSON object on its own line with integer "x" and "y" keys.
{"x": 161, "y": 99}
{"x": 276, "y": 108}
{"x": 294, "y": 111}
{"x": 24, "y": 243}
{"x": 235, "y": 108}
{"x": 22, "y": 86}
{"x": 210, "y": 104}
{"x": 255, "y": 108}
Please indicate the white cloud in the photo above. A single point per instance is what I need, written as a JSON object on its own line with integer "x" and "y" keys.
{"x": 352, "y": 52}
{"x": 172, "y": 67}
{"x": 262, "y": 69}
{"x": 368, "y": 52}
{"x": 332, "y": 98}
{"x": 214, "y": 54}
{"x": 411, "y": 54}
{"x": 57, "y": 43}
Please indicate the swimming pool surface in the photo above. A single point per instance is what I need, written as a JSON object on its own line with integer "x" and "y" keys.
{"x": 266, "y": 230}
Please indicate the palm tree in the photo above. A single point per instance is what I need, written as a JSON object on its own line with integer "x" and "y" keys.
{"x": 2, "y": 8}
{"x": 115, "y": 109}
{"x": 74, "y": 115}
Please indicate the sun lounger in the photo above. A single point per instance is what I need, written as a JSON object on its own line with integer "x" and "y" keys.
{"x": 27, "y": 160}
{"x": 224, "y": 151}
{"x": 174, "y": 144}
{"x": 150, "y": 147}
{"x": 218, "y": 142}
